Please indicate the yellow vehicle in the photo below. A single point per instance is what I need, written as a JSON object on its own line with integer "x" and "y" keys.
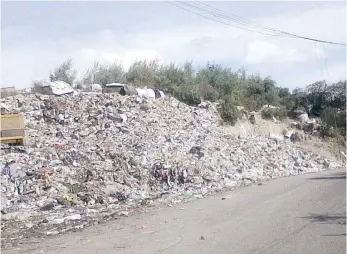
{"x": 12, "y": 129}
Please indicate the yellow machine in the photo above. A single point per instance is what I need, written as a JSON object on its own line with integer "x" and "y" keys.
{"x": 12, "y": 129}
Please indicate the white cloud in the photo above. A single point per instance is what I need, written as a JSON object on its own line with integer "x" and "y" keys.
{"x": 220, "y": 43}
{"x": 279, "y": 57}
{"x": 84, "y": 57}
{"x": 331, "y": 74}
{"x": 266, "y": 52}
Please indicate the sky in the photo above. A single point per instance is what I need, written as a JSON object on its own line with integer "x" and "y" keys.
{"x": 38, "y": 36}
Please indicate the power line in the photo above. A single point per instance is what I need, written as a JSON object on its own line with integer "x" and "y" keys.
{"x": 279, "y": 31}
{"x": 199, "y": 14}
{"x": 233, "y": 19}
{"x": 238, "y": 17}
{"x": 245, "y": 22}
{"x": 283, "y": 32}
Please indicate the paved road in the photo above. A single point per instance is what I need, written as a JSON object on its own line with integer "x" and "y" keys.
{"x": 301, "y": 214}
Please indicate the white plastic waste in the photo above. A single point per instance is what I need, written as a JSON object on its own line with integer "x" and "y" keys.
{"x": 114, "y": 85}
{"x": 303, "y": 118}
{"x": 96, "y": 87}
{"x": 289, "y": 133}
{"x": 60, "y": 88}
{"x": 146, "y": 92}
{"x": 162, "y": 95}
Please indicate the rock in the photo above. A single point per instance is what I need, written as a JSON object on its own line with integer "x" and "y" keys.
{"x": 275, "y": 137}
{"x": 205, "y": 104}
{"x": 128, "y": 90}
{"x": 252, "y": 119}
{"x": 29, "y": 225}
{"x": 197, "y": 150}
{"x": 296, "y": 137}
{"x": 123, "y": 117}
{"x": 309, "y": 127}
{"x": 110, "y": 109}
{"x": 73, "y": 217}
{"x": 145, "y": 107}
{"x": 47, "y": 207}
{"x": 298, "y": 162}
{"x": 123, "y": 213}
{"x": 303, "y": 118}
{"x": 55, "y": 232}
{"x": 287, "y": 133}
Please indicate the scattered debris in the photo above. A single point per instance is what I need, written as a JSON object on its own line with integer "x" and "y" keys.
{"x": 90, "y": 157}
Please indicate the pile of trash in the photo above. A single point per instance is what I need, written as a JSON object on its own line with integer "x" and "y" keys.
{"x": 94, "y": 156}
{"x": 124, "y": 89}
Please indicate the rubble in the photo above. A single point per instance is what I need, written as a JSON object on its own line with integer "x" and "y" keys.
{"x": 91, "y": 157}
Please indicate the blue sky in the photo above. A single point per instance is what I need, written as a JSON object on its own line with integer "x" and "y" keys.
{"x": 38, "y": 36}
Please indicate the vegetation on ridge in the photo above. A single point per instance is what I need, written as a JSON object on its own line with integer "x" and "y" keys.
{"x": 216, "y": 83}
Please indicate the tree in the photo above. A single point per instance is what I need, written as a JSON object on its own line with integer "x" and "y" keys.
{"x": 143, "y": 73}
{"x": 337, "y": 94}
{"x": 108, "y": 74}
{"x": 268, "y": 84}
{"x": 64, "y": 73}
{"x": 283, "y": 92}
{"x": 89, "y": 77}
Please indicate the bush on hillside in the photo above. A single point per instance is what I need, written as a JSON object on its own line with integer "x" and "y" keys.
{"x": 215, "y": 82}
{"x": 36, "y": 86}
{"x": 334, "y": 122}
{"x": 228, "y": 111}
{"x": 278, "y": 113}
{"x": 144, "y": 73}
{"x": 109, "y": 74}
{"x": 64, "y": 72}
{"x": 188, "y": 95}
{"x": 208, "y": 92}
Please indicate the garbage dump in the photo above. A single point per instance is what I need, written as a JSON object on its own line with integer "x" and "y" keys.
{"x": 113, "y": 88}
{"x": 56, "y": 88}
{"x": 123, "y": 89}
{"x": 92, "y": 157}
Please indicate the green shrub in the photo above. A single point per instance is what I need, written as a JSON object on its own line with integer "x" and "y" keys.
{"x": 278, "y": 113}
{"x": 208, "y": 92}
{"x": 188, "y": 95}
{"x": 328, "y": 131}
{"x": 144, "y": 73}
{"x": 267, "y": 113}
{"x": 214, "y": 82}
{"x": 64, "y": 72}
{"x": 228, "y": 112}
{"x": 281, "y": 113}
{"x": 109, "y": 74}
{"x": 36, "y": 86}
{"x": 334, "y": 122}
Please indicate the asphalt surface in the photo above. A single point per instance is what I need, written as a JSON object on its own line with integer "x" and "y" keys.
{"x": 300, "y": 214}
